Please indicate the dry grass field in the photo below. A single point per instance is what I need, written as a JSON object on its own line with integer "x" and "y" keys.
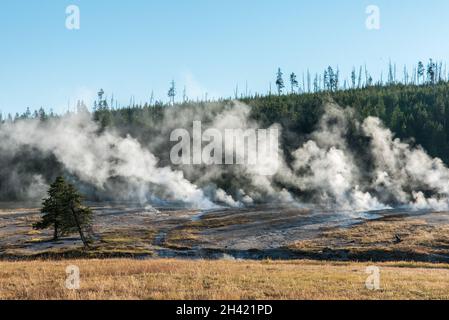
{"x": 222, "y": 279}
{"x": 313, "y": 255}
{"x": 392, "y": 239}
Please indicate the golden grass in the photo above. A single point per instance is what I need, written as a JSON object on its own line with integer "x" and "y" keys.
{"x": 182, "y": 238}
{"x": 378, "y": 239}
{"x": 179, "y": 279}
{"x": 412, "y": 233}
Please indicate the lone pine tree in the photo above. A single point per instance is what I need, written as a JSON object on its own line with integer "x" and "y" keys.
{"x": 52, "y": 209}
{"x": 279, "y": 81}
{"x": 63, "y": 211}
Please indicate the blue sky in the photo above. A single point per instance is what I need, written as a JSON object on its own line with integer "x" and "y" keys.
{"x": 130, "y": 48}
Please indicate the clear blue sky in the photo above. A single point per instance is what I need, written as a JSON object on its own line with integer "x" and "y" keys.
{"x": 136, "y": 46}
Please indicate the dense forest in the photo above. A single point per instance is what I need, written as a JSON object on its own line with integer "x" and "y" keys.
{"x": 415, "y": 108}
{"x": 419, "y": 112}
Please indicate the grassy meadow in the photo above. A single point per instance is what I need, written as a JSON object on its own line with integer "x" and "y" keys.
{"x": 221, "y": 279}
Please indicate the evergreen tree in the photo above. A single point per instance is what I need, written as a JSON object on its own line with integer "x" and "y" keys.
{"x": 53, "y": 209}
{"x": 293, "y": 82}
{"x": 279, "y": 81}
{"x": 27, "y": 114}
{"x": 326, "y": 80}
{"x": 172, "y": 92}
{"x": 101, "y": 102}
{"x": 431, "y": 72}
{"x": 353, "y": 78}
{"x": 42, "y": 114}
{"x": 64, "y": 212}
{"x": 78, "y": 217}
{"x": 332, "y": 79}
{"x": 420, "y": 71}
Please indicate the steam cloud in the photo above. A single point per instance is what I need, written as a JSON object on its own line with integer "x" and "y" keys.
{"x": 344, "y": 164}
{"x": 98, "y": 157}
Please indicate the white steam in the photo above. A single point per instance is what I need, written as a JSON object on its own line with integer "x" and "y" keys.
{"x": 96, "y": 158}
{"x": 407, "y": 173}
{"x": 338, "y": 176}
{"x": 344, "y": 165}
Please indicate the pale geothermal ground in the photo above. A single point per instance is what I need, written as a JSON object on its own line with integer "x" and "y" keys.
{"x": 267, "y": 252}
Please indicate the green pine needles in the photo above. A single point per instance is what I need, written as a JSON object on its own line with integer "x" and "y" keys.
{"x": 63, "y": 211}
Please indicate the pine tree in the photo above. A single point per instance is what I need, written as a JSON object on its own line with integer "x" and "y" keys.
{"x": 78, "y": 217}
{"x": 172, "y": 92}
{"x": 279, "y": 81}
{"x": 27, "y": 114}
{"x": 64, "y": 212}
{"x": 332, "y": 79}
{"x": 431, "y": 72}
{"x": 420, "y": 71}
{"x": 326, "y": 80}
{"x": 353, "y": 78}
{"x": 101, "y": 102}
{"x": 293, "y": 81}
{"x": 42, "y": 114}
{"x": 53, "y": 209}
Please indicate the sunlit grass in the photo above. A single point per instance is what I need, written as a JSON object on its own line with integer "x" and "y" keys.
{"x": 181, "y": 279}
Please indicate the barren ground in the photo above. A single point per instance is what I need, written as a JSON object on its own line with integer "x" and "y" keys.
{"x": 274, "y": 232}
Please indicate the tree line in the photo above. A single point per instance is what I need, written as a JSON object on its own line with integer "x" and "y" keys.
{"x": 415, "y": 106}
{"x": 330, "y": 80}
